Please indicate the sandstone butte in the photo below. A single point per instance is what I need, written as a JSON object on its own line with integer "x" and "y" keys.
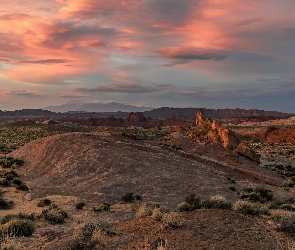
{"x": 210, "y": 131}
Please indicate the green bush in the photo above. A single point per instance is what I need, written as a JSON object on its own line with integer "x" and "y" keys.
{"x": 130, "y": 197}
{"x": 54, "y": 215}
{"x": 80, "y": 205}
{"x": 102, "y": 207}
{"x": 217, "y": 202}
{"x": 247, "y": 207}
{"x": 18, "y": 227}
{"x": 259, "y": 194}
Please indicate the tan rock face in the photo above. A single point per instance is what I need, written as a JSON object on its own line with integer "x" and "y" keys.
{"x": 213, "y": 132}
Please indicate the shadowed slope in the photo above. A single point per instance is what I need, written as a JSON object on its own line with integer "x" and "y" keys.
{"x": 103, "y": 167}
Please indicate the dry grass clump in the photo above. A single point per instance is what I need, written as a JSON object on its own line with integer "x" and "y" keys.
{"x": 7, "y": 243}
{"x": 91, "y": 236}
{"x": 173, "y": 220}
{"x": 147, "y": 208}
{"x": 247, "y": 207}
{"x": 54, "y": 215}
{"x": 218, "y": 202}
{"x": 102, "y": 207}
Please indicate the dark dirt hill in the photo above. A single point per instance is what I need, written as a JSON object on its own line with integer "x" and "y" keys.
{"x": 106, "y": 166}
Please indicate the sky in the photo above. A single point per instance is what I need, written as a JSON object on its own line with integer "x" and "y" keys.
{"x": 172, "y": 53}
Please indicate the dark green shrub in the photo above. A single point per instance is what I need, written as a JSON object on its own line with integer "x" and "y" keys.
{"x": 130, "y": 197}
{"x": 54, "y": 215}
{"x": 18, "y": 227}
{"x": 80, "y": 205}
{"x": 259, "y": 194}
{"x": 44, "y": 202}
{"x": 102, "y": 207}
{"x": 287, "y": 207}
{"x": 233, "y": 189}
{"x": 22, "y": 187}
{"x": 4, "y": 182}
{"x": 191, "y": 203}
{"x": 5, "y": 204}
{"x": 17, "y": 181}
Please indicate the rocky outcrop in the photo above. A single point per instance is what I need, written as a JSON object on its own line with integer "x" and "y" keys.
{"x": 210, "y": 131}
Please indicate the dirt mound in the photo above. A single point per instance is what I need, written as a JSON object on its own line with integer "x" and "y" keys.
{"x": 104, "y": 167}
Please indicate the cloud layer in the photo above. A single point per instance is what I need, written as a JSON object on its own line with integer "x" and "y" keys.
{"x": 127, "y": 51}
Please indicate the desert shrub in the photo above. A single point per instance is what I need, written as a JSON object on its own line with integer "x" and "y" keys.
{"x": 7, "y": 243}
{"x": 233, "y": 188}
{"x": 17, "y": 181}
{"x": 146, "y": 209}
{"x": 288, "y": 184}
{"x": 247, "y": 207}
{"x": 54, "y": 215}
{"x": 20, "y": 216}
{"x": 287, "y": 207}
{"x": 173, "y": 220}
{"x": 80, "y": 205}
{"x": 191, "y": 203}
{"x": 5, "y": 204}
{"x": 91, "y": 236}
{"x": 259, "y": 194}
{"x": 22, "y": 187}
{"x": 217, "y": 202}
{"x": 158, "y": 213}
{"x": 102, "y": 207}
{"x": 44, "y": 202}
{"x": 18, "y": 227}
{"x": 130, "y": 197}
{"x": 286, "y": 223}
{"x": 4, "y": 182}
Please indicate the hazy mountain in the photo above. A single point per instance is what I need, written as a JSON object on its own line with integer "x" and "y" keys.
{"x": 96, "y": 107}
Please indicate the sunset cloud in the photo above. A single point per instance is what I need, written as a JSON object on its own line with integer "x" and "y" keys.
{"x": 108, "y": 48}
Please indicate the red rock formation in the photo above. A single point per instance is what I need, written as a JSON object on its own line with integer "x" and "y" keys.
{"x": 212, "y": 132}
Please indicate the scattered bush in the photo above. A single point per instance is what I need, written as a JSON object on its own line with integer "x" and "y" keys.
{"x": 18, "y": 227}
{"x": 102, "y": 207}
{"x": 173, "y": 220}
{"x": 146, "y": 209}
{"x": 20, "y": 216}
{"x": 130, "y": 197}
{"x": 54, "y": 215}
{"x": 22, "y": 187}
{"x": 259, "y": 194}
{"x": 287, "y": 207}
{"x": 217, "y": 202}
{"x": 5, "y": 204}
{"x": 247, "y": 207}
{"x": 44, "y": 202}
{"x": 80, "y": 205}
{"x": 191, "y": 203}
{"x": 91, "y": 236}
{"x": 288, "y": 184}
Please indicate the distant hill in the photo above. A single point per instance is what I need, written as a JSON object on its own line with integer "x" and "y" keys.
{"x": 96, "y": 107}
{"x": 161, "y": 113}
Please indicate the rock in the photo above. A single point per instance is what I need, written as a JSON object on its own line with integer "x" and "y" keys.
{"x": 210, "y": 131}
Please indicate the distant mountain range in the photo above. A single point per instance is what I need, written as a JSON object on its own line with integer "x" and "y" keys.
{"x": 96, "y": 107}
